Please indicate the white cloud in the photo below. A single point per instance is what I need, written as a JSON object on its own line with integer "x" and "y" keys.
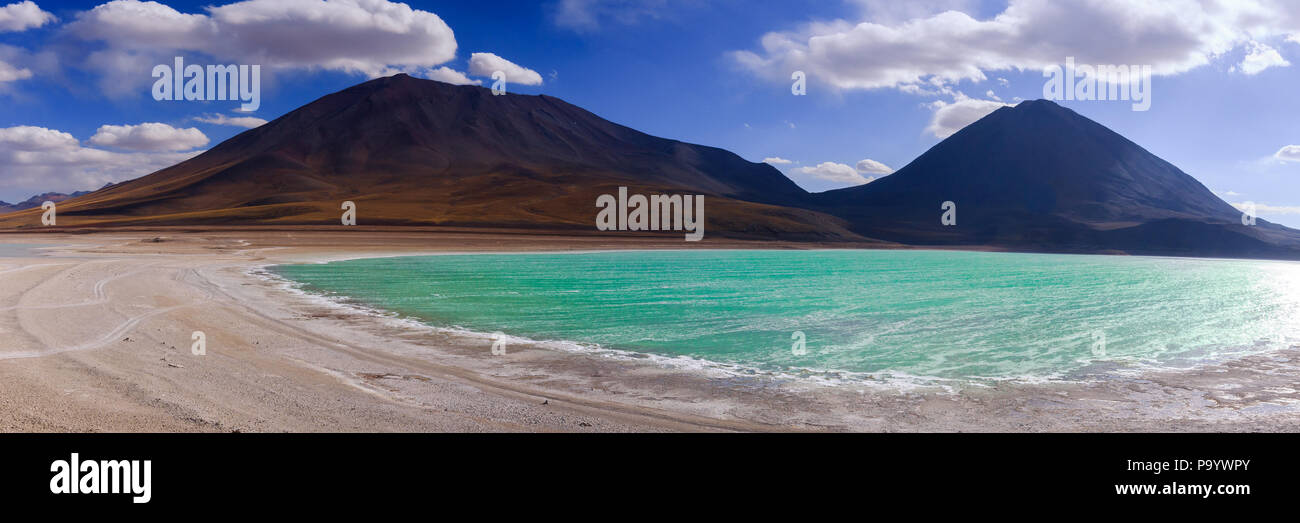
{"x": 37, "y": 160}
{"x": 1290, "y": 153}
{"x": 27, "y": 138}
{"x": 942, "y": 49}
{"x": 23, "y": 16}
{"x": 836, "y": 172}
{"x": 949, "y": 118}
{"x": 371, "y": 37}
{"x": 894, "y": 11}
{"x": 484, "y": 64}
{"x": 237, "y": 121}
{"x": 451, "y": 76}
{"x": 13, "y": 60}
{"x": 869, "y": 166}
{"x": 149, "y": 137}
{"x": 1261, "y": 208}
{"x": 9, "y": 73}
{"x": 1261, "y": 57}
{"x": 358, "y": 35}
{"x": 135, "y": 25}
{"x": 776, "y": 160}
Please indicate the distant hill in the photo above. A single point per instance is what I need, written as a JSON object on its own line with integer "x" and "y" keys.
{"x": 38, "y": 200}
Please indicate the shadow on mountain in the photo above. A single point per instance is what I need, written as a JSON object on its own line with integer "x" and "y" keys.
{"x": 1035, "y": 177}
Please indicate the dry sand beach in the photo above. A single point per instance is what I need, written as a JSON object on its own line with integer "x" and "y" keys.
{"x": 96, "y": 332}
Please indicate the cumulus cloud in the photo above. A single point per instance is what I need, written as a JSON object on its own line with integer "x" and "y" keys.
{"x": 451, "y": 76}
{"x": 9, "y": 73}
{"x": 23, "y": 16}
{"x": 371, "y": 37}
{"x": 1262, "y": 208}
{"x": 836, "y": 172}
{"x": 484, "y": 64}
{"x": 236, "y": 121}
{"x": 38, "y": 159}
{"x": 939, "y": 50}
{"x": 135, "y": 25}
{"x": 776, "y": 160}
{"x": 18, "y": 17}
{"x": 869, "y": 166}
{"x": 150, "y": 136}
{"x": 949, "y": 118}
{"x": 893, "y": 11}
{"x": 28, "y": 138}
{"x": 1261, "y": 57}
{"x": 1290, "y": 153}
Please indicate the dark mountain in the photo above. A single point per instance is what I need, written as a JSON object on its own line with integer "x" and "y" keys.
{"x": 1041, "y": 177}
{"x": 1036, "y": 177}
{"x": 419, "y": 152}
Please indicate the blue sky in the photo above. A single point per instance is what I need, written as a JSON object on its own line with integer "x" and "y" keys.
{"x": 885, "y": 80}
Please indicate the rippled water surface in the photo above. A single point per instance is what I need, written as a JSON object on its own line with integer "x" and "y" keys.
{"x": 917, "y": 313}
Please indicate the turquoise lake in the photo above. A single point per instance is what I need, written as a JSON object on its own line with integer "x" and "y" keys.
{"x": 933, "y": 314}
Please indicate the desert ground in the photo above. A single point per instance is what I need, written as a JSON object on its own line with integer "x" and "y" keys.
{"x": 95, "y": 335}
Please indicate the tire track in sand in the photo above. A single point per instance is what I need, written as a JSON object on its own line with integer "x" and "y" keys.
{"x": 100, "y": 296}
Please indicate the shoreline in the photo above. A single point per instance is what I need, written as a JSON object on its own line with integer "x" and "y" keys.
{"x": 280, "y": 363}
{"x": 1135, "y": 368}
{"x": 684, "y": 363}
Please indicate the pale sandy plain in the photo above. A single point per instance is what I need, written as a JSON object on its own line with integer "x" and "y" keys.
{"x": 95, "y": 335}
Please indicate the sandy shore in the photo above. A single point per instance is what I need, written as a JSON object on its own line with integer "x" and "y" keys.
{"x": 97, "y": 332}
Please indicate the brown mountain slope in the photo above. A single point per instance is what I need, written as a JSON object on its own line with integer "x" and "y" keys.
{"x": 420, "y": 152}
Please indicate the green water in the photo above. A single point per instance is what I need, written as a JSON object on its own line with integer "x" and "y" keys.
{"x": 934, "y": 314}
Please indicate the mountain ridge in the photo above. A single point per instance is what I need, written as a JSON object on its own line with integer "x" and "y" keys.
{"x": 39, "y": 199}
{"x": 419, "y": 152}
{"x": 1034, "y": 177}
{"x": 1039, "y": 176}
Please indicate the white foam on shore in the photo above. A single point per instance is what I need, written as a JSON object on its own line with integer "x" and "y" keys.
{"x": 891, "y": 381}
